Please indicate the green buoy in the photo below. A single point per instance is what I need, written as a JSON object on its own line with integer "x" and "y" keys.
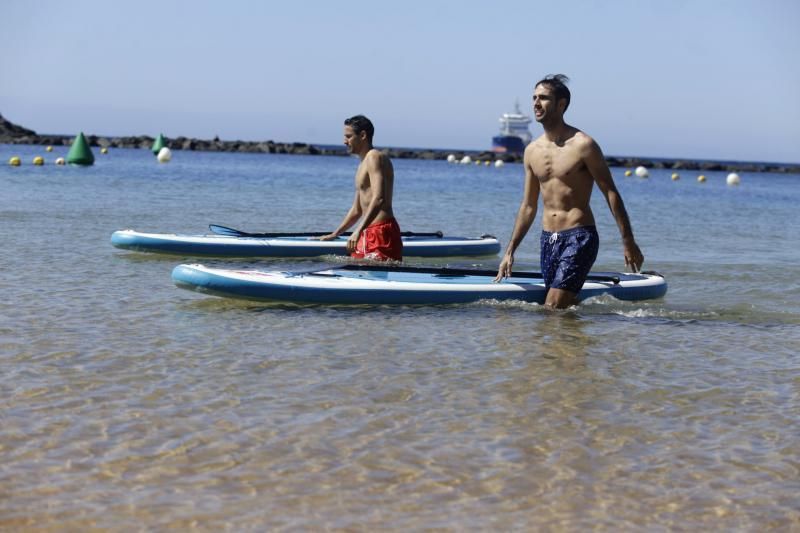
{"x": 79, "y": 152}
{"x": 160, "y": 143}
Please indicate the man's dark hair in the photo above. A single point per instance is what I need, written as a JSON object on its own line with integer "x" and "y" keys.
{"x": 558, "y": 84}
{"x": 361, "y": 123}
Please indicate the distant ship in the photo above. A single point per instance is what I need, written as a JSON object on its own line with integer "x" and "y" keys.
{"x": 514, "y": 135}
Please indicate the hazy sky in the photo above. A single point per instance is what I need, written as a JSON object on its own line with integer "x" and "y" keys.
{"x": 696, "y": 79}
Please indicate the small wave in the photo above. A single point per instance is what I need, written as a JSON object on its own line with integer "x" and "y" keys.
{"x": 338, "y": 259}
{"x": 608, "y": 305}
{"x": 509, "y": 304}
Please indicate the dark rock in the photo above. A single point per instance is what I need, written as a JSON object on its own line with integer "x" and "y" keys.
{"x": 10, "y": 131}
{"x": 711, "y": 166}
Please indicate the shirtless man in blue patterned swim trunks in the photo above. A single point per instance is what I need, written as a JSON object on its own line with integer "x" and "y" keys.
{"x": 563, "y": 165}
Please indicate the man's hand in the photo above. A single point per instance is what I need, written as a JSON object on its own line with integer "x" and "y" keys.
{"x": 504, "y": 270}
{"x": 328, "y": 237}
{"x": 352, "y": 242}
{"x": 633, "y": 256}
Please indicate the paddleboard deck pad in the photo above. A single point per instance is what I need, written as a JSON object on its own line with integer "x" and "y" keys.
{"x": 382, "y": 285}
{"x": 304, "y": 246}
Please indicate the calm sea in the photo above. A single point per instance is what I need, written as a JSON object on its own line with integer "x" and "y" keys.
{"x": 126, "y": 403}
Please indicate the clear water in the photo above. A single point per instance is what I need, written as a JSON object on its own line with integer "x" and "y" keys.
{"x": 126, "y": 403}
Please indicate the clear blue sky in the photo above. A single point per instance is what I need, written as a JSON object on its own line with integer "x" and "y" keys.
{"x": 696, "y": 79}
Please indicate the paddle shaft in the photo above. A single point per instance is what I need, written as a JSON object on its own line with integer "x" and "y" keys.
{"x": 222, "y": 230}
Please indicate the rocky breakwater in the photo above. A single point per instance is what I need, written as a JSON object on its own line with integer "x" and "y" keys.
{"x": 11, "y": 133}
{"x": 707, "y": 166}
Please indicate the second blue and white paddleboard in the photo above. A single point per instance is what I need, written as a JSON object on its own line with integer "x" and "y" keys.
{"x": 230, "y": 246}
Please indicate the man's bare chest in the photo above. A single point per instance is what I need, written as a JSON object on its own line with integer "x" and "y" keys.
{"x": 557, "y": 163}
{"x": 362, "y": 179}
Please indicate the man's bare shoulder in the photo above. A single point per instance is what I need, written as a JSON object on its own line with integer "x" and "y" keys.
{"x": 376, "y": 156}
{"x": 533, "y": 147}
{"x": 378, "y": 162}
{"x": 584, "y": 141}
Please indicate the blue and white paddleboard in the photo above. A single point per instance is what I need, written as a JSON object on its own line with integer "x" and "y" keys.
{"x": 300, "y": 246}
{"x": 368, "y": 284}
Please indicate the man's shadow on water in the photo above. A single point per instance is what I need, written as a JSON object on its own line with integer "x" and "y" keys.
{"x": 561, "y": 334}
{"x": 549, "y": 333}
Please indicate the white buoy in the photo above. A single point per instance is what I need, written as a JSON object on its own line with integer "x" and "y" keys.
{"x": 60, "y": 161}
{"x": 642, "y": 172}
{"x": 733, "y": 179}
{"x": 701, "y": 178}
{"x": 499, "y": 163}
{"x": 164, "y": 155}
{"x": 675, "y": 176}
{"x": 466, "y": 160}
{"x": 451, "y": 158}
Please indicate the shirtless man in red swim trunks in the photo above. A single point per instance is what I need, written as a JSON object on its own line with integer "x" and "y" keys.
{"x": 377, "y": 235}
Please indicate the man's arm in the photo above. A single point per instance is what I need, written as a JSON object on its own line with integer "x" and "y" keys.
{"x": 525, "y": 216}
{"x": 351, "y": 216}
{"x": 593, "y": 157}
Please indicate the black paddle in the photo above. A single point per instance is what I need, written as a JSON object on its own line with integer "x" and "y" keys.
{"x": 446, "y": 272}
{"x": 230, "y": 232}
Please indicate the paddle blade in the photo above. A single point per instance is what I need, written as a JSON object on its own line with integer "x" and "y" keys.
{"x": 223, "y": 230}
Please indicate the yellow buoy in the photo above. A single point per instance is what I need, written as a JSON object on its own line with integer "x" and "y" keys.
{"x": 15, "y": 161}
{"x": 628, "y": 173}
{"x": 49, "y": 149}
{"x": 104, "y": 150}
{"x": 675, "y": 176}
{"x": 38, "y": 160}
{"x": 701, "y": 178}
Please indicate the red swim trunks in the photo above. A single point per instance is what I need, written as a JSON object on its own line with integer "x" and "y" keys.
{"x": 380, "y": 241}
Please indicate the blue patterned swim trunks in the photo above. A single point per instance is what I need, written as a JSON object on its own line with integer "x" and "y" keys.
{"x": 567, "y": 257}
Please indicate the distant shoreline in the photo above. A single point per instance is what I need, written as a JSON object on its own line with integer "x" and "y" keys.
{"x": 13, "y": 134}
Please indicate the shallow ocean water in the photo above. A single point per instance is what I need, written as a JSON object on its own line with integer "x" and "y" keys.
{"x": 128, "y": 403}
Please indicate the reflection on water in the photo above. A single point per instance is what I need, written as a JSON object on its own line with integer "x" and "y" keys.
{"x": 127, "y": 403}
